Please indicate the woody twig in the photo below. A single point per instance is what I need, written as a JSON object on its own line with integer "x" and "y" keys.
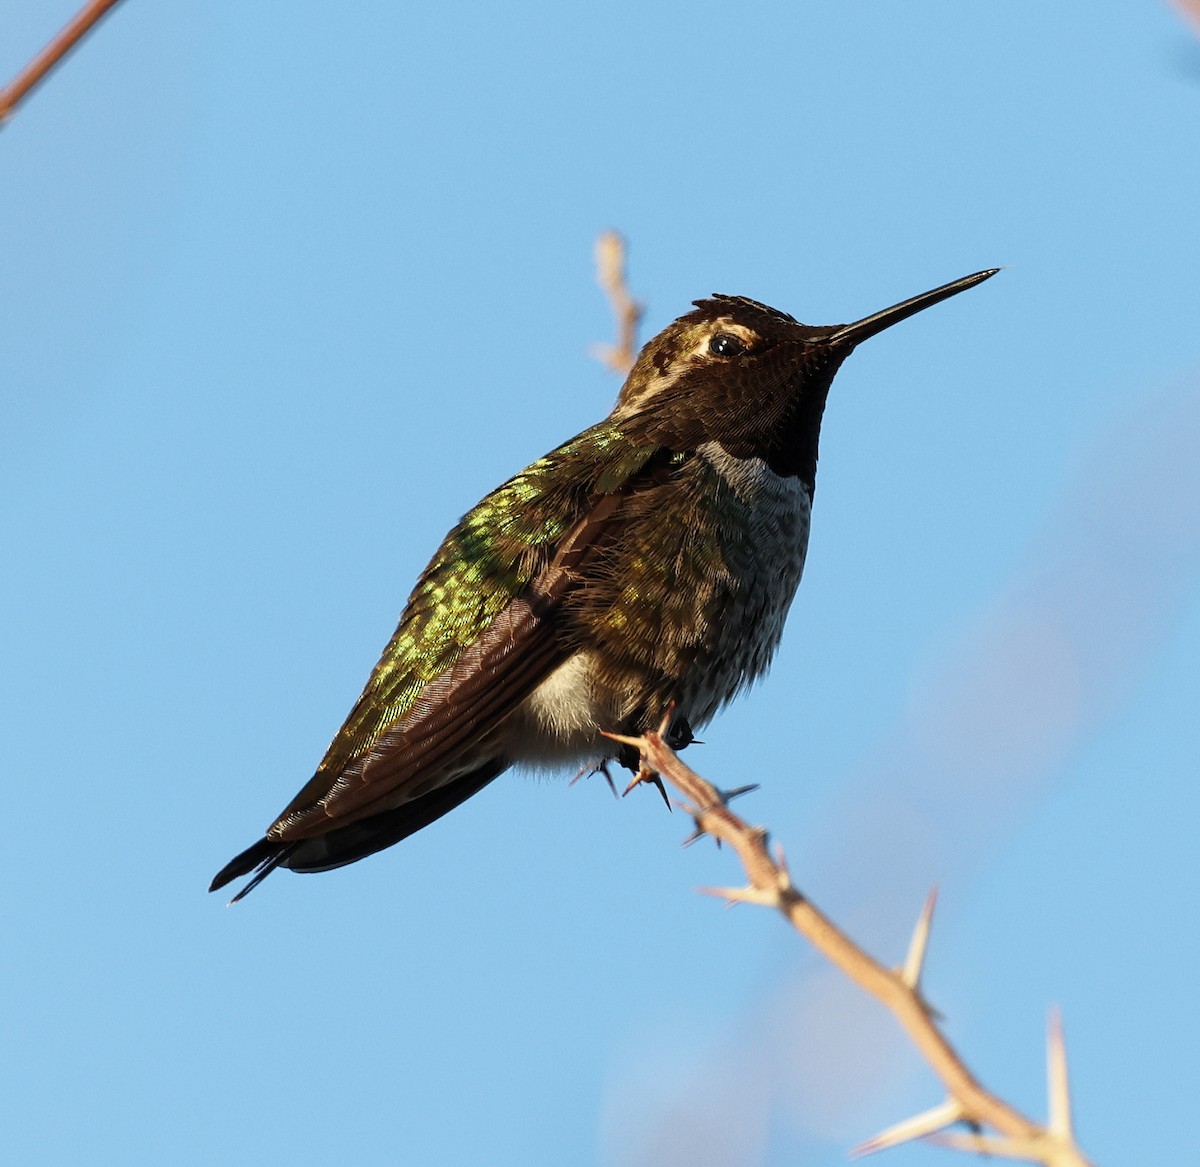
{"x": 972, "y": 1118}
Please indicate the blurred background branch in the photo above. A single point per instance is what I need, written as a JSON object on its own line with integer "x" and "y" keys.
{"x": 627, "y": 312}
{"x": 1191, "y": 12}
{"x": 40, "y": 67}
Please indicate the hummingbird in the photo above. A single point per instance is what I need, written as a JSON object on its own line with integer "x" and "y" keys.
{"x": 647, "y": 564}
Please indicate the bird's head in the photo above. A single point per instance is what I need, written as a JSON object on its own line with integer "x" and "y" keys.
{"x": 749, "y": 377}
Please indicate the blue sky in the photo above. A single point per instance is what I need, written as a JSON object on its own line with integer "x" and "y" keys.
{"x": 288, "y": 287}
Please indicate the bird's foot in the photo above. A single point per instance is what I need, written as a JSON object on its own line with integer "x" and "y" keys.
{"x": 676, "y": 733}
{"x": 679, "y": 732}
{"x": 630, "y": 757}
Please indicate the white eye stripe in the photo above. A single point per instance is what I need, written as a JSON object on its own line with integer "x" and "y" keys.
{"x": 728, "y": 326}
{"x": 669, "y": 366}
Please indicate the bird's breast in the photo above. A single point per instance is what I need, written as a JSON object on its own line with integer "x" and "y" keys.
{"x": 761, "y": 524}
{"x": 687, "y": 605}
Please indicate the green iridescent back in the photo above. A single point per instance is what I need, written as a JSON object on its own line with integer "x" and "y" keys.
{"x": 490, "y": 557}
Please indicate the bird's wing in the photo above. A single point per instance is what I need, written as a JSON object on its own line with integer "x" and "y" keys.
{"x": 478, "y": 634}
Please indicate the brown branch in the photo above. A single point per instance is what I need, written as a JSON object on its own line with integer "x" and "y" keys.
{"x": 1016, "y": 1136}
{"x": 35, "y": 72}
{"x": 610, "y": 275}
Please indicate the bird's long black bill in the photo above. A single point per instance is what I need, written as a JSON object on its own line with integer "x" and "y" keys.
{"x": 869, "y": 326}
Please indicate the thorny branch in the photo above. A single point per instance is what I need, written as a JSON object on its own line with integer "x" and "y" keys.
{"x": 994, "y": 1127}
{"x": 81, "y": 24}
{"x": 610, "y": 275}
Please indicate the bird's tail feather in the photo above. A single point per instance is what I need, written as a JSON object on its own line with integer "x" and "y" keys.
{"x": 355, "y": 840}
{"x": 262, "y": 858}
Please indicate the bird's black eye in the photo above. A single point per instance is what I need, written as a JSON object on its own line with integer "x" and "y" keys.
{"x": 724, "y": 345}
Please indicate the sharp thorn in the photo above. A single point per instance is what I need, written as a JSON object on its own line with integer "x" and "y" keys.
{"x": 624, "y": 739}
{"x": 1058, "y": 1079}
{"x": 742, "y": 895}
{"x": 601, "y": 768}
{"x": 915, "y": 961}
{"x": 727, "y": 796}
{"x": 656, "y": 780}
{"x": 645, "y": 775}
{"x": 917, "y": 1127}
{"x": 698, "y": 831}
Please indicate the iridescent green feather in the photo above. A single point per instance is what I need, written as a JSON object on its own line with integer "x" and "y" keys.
{"x": 489, "y": 558}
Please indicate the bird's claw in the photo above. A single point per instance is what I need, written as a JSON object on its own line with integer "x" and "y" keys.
{"x": 679, "y": 732}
